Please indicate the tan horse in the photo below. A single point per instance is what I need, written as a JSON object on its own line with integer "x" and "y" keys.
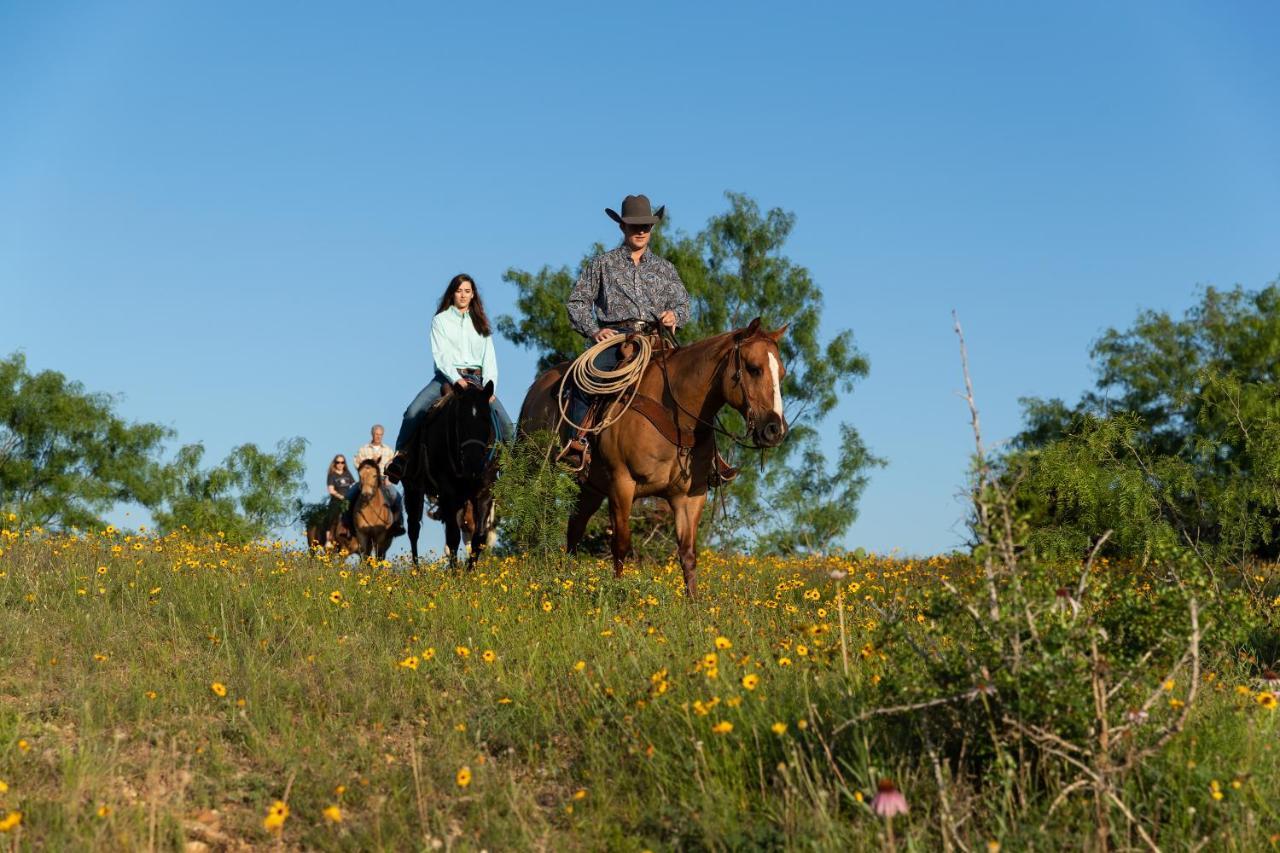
{"x": 371, "y": 513}
{"x": 664, "y": 446}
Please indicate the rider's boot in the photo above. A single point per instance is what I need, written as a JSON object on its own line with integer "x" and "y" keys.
{"x": 576, "y": 453}
{"x": 395, "y": 468}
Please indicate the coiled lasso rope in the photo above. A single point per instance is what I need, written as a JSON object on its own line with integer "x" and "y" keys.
{"x": 593, "y": 381}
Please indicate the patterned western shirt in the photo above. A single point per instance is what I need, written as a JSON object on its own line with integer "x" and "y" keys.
{"x": 381, "y": 452}
{"x": 613, "y": 288}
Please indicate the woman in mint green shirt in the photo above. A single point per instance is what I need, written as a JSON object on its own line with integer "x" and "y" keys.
{"x": 462, "y": 346}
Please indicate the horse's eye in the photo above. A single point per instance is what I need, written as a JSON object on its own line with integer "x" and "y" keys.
{"x": 753, "y": 370}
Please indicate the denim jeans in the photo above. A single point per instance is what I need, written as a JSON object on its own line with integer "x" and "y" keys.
{"x": 579, "y": 401}
{"x": 426, "y": 399}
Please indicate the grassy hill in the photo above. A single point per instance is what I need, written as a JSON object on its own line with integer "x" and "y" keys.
{"x": 183, "y": 694}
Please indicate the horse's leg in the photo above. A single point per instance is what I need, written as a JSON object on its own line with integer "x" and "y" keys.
{"x": 621, "y": 495}
{"x": 452, "y": 532}
{"x": 483, "y": 506}
{"x": 688, "y": 512}
{"x": 413, "y": 498}
{"x": 589, "y": 501}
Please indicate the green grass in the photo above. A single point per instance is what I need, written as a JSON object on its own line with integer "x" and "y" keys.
{"x": 620, "y": 751}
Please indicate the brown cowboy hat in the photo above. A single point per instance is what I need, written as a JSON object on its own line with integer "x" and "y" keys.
{"x": 636, "y": 211}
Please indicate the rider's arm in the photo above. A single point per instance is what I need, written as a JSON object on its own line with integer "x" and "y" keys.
{"x": 443, "y": 348}
{"x": 582, "y": 301}
{"x": 678, "y": 297}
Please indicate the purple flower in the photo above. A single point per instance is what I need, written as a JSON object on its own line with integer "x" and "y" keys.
{"x": 888, "y": 801}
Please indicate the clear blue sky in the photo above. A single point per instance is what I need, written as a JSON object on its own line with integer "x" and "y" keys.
{"x": 241, "y": 215}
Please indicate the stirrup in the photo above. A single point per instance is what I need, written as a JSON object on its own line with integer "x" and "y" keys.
{"x": 722, "y": 473}
{"x": 578, "y": 446}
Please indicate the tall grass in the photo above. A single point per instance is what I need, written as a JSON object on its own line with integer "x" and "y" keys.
{"x": 530, "y": 704}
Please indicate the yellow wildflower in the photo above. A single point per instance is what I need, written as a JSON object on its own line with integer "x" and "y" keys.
{"x": 464, "y": 777}
{"x": 750, "y": 680}
{"x": 488, "y": 656}
{"x": 779, "y": 728}
{"x": 723, "y": 643}
{"x": 723, "y": 727}
{"x": 274, "y": 821}
{"x": 411, "y": 662}
{"x": 10, "y": 821}
{"x": 333, "y": 814}
{"x": 218, "y": 688}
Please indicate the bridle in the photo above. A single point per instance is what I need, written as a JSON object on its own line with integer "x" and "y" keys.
{"x": 718, "y": 426}
{"x": 455, "y": 444}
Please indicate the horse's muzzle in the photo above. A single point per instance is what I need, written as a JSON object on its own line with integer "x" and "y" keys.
{"x": 771, "y": 432}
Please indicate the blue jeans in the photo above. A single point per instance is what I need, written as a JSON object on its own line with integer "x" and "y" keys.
{"x": 578, "y": 400}
{"x": 426, "y": 399}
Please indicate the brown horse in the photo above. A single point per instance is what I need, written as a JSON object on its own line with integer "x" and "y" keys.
{"x": 330, "y": 532}
{"x": 664, "y": 445}
{"x": 371, "y": 512}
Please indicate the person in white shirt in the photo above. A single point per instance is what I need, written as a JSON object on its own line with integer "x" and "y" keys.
{"x": 462, "y": 347}
{"x": 382, "y": 454}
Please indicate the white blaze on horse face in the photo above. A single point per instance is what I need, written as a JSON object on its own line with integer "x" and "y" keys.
{"x": 777, "y": 384}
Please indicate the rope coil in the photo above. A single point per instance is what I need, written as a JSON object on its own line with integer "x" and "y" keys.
{"x": 596, "y": 382}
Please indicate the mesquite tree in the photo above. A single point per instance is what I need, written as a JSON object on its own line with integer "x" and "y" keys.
{"x": 734, "y": 270}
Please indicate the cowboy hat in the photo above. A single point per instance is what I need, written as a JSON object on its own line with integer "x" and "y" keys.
{"x": 636, "y": 211}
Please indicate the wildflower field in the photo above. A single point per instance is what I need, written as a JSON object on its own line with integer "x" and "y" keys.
{"x": 168, "y": 693}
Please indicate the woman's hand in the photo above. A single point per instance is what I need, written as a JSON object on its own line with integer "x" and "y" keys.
{"x": 604, "y": 334}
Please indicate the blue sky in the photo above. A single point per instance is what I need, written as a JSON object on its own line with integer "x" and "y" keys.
{"x": 240, "y": 216}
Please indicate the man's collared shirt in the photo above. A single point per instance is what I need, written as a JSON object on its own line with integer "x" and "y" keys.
{"x": 380, "y": 452}
{"x": 613, "y": 288}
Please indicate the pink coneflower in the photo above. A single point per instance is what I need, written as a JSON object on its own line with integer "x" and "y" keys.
{"x": 889, "y": 801}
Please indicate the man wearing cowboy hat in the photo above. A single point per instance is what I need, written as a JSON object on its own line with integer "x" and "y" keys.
{"x": 620, "y": 291}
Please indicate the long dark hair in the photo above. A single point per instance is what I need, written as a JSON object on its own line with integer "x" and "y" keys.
{"x": 476, "y": 309}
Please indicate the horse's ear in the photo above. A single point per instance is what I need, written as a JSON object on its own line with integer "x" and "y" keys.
{"x": 749, "y": 331}
{"x": 777, "y": 334}
{"x": 488, "y": 388}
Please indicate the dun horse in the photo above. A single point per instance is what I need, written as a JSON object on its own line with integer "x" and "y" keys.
{"x": 664, "y": 446}
{"x": 371, "y": 512}
{"x": 451, "y": 457}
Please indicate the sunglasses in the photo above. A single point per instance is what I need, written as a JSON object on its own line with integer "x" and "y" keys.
{"x": 339, "y": 462}
{"x": 640, "y": 229}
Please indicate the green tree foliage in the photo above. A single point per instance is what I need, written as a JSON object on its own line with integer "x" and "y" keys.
{"x": 735, "y": 270}
{"x": 533, "y": 497}
{"x": 246, "y": 496}
{"x": 65, "y": 456}
{"x": 1178, "y": 445}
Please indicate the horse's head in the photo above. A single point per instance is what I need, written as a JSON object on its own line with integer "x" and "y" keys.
{"x": 753, "y": 382}
{"x": 471, "y": 427}
{"x": 370, "y": 474}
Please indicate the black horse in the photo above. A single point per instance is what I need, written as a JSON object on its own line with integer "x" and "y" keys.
{"x": 452, "y": 457}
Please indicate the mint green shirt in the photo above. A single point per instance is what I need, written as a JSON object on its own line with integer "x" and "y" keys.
{"x": 456, "y": 344}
